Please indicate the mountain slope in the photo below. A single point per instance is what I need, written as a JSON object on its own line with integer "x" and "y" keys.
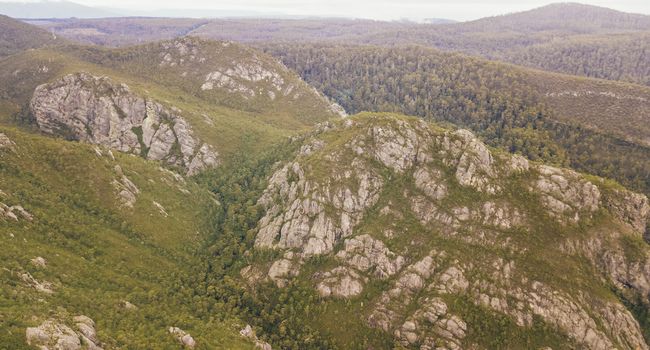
{"x": 16, "y": 36}
{"x": 231, "y": 98}
{"x": 384, "y": 231}
{"x": 86, "y": 231}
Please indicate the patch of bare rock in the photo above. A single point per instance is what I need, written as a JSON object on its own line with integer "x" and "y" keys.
{"x": 56, "y": 335}
{"x": 100, "y": 111}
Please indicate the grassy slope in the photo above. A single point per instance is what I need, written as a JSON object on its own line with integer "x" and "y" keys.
{"x": 100, "y": 254}
{"x": 231, "y": 124}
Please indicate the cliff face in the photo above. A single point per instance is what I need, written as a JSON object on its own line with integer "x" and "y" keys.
{"x": 432, "y": 215}
{"x": 100, "y": 111}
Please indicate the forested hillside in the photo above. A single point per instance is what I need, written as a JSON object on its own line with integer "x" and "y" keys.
{"x": 568, "y": 38}
{"x": 621, "y": 57}
{"x": 529, "y": 112}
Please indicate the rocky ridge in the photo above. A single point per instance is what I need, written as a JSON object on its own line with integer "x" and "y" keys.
{"x": 100, "y": 111}
{"x": 349, "y": 201}
{"x": 228, "y": 67}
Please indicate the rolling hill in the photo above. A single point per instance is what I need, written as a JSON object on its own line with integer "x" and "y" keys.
{"x": 17, "y": 36}
{"x": 568, "y": 38}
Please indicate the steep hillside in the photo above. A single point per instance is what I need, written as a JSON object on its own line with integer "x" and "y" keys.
{"x": 231, "y": 98}
{"x": 383, "y": 231}
{"x": 595, "y": 125}
{"x": 89, "y": 232}
{"x": 16, "y": 36}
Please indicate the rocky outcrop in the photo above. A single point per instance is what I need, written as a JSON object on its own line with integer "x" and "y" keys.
{"x": 55, "y": 335}
{"x": 184, "y": 338}
{"x": 100, "y": 111}
{"x": 410, "y": 217}
{"x": 473, "y": 160}
{"x": 215, "y": 68}
{"x": 306, "y": 226}
{"x": 431, "y": 326}
{"x": 126, "y": 190}
{"x": 628, "y": 275}
{"x": 369, "y": 255}
{"x": 340, "y": 282}
{"x": 14, "y": 213}
{"x": 630, "y": 208}
{"x": 565, "y": 194}
{"x": 40, "y": 286}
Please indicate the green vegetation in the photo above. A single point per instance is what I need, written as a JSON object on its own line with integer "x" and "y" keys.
{"x": 227, "y": 121}
{"x": 569, "y": 38}
{"x": 99, "y": 253}
{"x": 508, "y": 107}
{"x": 296, "y": 317}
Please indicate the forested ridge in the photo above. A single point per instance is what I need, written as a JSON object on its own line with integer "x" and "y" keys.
{"x": 623, "y": 57}
{"x": 493, "y": 99}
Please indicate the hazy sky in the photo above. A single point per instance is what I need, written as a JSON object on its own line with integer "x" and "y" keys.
{"x": 375, "y": 9}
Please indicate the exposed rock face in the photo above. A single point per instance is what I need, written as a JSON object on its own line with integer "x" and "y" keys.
{"x": 427, "y": 216}
{"x": 125, "y": 189}
{"x": 183, "y": 337}
{"x": 564, "y": 192}
{"x": 55, "y": 335}
{"x": 100, "y": 111}
{"x": 225, "y": 67}
{"x": 367, "y": 254}
{"x": 473, "y": 161}
{"x": 307, "y": 226}
{"x": 340, "y": 282}
{"x": 431, "y": 325}
{"x": 631, "y": 208}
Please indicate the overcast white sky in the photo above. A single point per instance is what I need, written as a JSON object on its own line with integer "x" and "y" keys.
{"x": 375, "y": 9}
